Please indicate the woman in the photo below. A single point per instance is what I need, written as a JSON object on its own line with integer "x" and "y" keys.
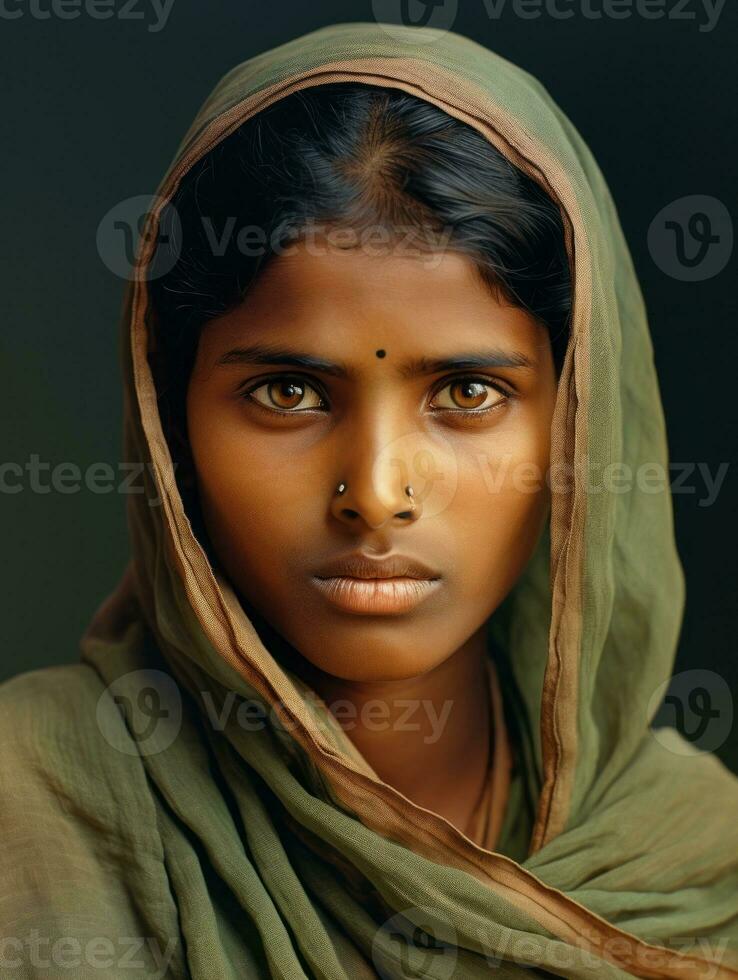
{"x": 372, "y": 697}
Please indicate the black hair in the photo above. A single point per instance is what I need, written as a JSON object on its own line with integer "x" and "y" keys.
{"x": 352, "y": 156}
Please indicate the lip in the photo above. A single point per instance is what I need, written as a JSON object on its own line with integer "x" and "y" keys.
{"x": 360, "y": 583}
{"x": 358, "y": 564}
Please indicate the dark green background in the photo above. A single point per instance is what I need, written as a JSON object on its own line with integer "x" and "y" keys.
{"x": 93, "y": 112}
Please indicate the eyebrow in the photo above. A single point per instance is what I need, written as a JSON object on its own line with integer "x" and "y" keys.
{"x": 470, "y": 360}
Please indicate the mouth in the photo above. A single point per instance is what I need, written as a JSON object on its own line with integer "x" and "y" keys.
{"x": 360, "y": 583}
{"x": 380, "y": 596}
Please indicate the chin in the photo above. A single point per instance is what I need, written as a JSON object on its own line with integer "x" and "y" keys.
{"x": 362, "y": 660}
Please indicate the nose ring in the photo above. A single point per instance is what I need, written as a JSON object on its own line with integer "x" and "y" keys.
{"x": 342, "y": 489}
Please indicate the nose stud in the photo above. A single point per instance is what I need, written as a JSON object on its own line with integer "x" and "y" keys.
{"x": 341, "y": 488}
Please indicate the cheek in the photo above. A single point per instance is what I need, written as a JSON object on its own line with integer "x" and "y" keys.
{"x": 249, "y": 494}
{"x": 500, "y": 508}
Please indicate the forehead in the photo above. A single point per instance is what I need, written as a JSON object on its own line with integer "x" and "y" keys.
{"x": 360, "y": 277}
{"x": 348, "y": 302}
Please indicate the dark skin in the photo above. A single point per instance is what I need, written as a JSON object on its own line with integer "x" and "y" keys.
{"x": 271, "y": 442}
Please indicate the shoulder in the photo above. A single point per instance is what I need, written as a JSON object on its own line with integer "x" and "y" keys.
{"x": 672, "y": 792}
{"x": 50, "y": 717}
{"x": 667, "y": 748}
{"x": 79, "y": 830}
{"x": 63, "y": 757}
{"x": 64, "y": 743}
{"x": 56, "y": 690}
{"x": 45, "y": 711}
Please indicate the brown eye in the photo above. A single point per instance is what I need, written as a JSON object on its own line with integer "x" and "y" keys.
{"x": 470, "y": 393}
{"x": 285, "y": 394}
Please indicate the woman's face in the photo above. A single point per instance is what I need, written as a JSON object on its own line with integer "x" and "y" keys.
{"x": 272, "y": 438}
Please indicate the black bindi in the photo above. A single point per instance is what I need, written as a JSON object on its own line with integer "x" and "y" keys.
{"x": 381, "y": 352}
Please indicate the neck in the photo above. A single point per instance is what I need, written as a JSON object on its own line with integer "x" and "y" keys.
{"x": 427, "y": 736}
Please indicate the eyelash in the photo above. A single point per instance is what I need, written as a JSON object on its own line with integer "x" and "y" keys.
{"x": 473, "y": 413}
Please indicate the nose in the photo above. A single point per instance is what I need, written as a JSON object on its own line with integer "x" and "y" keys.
{"x": 375, "y": 491}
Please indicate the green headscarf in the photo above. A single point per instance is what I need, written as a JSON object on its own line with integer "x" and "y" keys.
{"x": 143, "y": 832}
